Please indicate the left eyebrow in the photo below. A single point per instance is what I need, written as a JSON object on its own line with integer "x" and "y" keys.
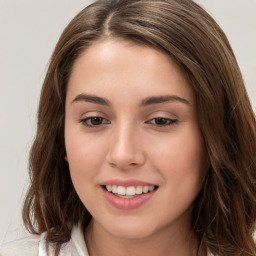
{"x": 162, "y": 99}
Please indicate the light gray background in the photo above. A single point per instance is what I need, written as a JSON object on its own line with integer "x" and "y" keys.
{"x": 29, "y": 30}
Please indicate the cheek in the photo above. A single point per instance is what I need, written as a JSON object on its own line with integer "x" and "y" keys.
{"x": 182, "y": 165}
{"x": 181, "y": 159}
{"x": 82, "y": 148}
{"x": 85, "y": 157}
{"x": 85, "y": 162}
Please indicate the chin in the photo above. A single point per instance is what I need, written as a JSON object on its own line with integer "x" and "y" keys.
{"x": 130, "y": 230}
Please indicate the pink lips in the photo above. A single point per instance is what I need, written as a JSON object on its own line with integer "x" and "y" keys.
{"x": 126, "y": 183}
{"x": 127, "y": 203}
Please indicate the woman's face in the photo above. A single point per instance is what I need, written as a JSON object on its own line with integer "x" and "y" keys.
{"x": 134, "y": 148}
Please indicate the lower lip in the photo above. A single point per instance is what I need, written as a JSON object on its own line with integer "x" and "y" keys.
{"x": 127, "y": 203}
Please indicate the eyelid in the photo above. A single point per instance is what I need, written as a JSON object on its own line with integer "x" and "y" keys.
{"x": 168, "y": 118}
{"x": 85, "y": 120}
{"x": 161, "y": 114}
{"x": 169, "y": 122}
{"x": 93, "y": 114}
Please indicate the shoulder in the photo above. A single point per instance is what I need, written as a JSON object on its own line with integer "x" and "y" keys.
{"x": 35, "y": 245}
{"x": 27, "y": 246}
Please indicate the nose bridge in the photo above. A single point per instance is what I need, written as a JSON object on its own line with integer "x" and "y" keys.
{"x": 125, "y": 149}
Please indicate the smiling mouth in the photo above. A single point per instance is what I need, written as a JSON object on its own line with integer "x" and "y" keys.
{"x": 129, "y": 192}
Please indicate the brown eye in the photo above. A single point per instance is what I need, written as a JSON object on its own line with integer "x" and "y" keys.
{"x": 161, "y": 121}
{"x": 94, "y": 121}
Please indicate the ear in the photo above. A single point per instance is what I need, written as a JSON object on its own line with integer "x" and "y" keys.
{"x": 66, "y": 158}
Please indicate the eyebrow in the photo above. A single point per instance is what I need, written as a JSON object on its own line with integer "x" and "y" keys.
{"x": 162, "y": 99}
{"x": 92, "y": 99}
{"x": 145, "y": 102}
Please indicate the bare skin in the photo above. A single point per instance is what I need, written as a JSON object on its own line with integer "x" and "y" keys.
{"x": 99, "y": 243}
{"x": 131, "y": 117}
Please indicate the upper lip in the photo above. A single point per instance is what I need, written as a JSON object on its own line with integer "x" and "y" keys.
{"x": 126, "y": 182}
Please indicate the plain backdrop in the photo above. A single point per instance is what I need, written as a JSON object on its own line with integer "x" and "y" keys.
{"x": 29, "y": 30}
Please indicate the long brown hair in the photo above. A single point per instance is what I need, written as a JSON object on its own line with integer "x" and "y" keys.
{"x": 224, "y": 214}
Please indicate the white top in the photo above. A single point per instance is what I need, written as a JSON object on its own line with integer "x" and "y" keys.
{"x": 34, "y": 245}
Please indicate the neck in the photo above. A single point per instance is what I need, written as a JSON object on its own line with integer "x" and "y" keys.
{"x": 164, "y": 243}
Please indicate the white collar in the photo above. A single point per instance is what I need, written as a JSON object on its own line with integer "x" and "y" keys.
{"x": 75, "y": 247}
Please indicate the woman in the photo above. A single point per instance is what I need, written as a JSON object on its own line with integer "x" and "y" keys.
{"x": 146, "y": 138}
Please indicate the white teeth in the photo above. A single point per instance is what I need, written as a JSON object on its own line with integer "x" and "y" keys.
{"x": 109, "y": 188}
{"x": 138, "y": 190}
{"x": 145, "y": 189}
{"x": 129, "y": 191}
{"x": 114, "y": 189}
{"x": 151, "y": 188}
{"x": 121, "y": 190}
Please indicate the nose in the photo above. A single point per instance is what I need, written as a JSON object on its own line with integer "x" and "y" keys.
{"x": 125, "y": 149}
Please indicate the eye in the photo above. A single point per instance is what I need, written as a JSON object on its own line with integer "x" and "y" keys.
{"x": 94, "y": 121}
{"x": 162, "y": 121}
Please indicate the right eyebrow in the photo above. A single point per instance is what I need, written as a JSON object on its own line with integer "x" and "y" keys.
{"x": 91, "y": 98}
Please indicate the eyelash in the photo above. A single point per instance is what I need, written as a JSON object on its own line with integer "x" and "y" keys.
{"x": 103, "y": 121}
{"x": 89, "y": 119}
{"x": 168, "y": 121}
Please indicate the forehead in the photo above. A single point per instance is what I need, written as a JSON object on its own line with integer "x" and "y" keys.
{"x": 123, "y": 66}
{"x": 107, "y": 53}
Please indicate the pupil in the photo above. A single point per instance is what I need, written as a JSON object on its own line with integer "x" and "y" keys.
{"x": 161, "y": 121}
{"x": 96, "y": 120}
